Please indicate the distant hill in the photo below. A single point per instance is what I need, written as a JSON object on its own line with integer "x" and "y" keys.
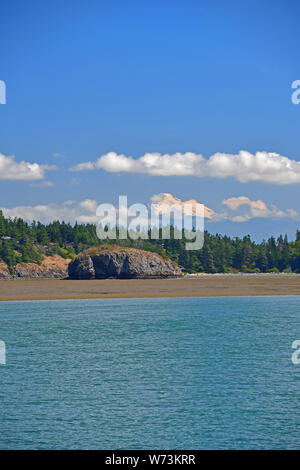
{"x": 21, "y": 242}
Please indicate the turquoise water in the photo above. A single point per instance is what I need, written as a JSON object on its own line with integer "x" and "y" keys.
{"x": 189, "y": 373}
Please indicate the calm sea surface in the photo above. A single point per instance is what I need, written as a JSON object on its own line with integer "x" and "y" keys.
{"x": 188, "y": 373}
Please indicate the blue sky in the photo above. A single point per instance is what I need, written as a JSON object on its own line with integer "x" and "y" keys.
{"x": 87, "y": 78}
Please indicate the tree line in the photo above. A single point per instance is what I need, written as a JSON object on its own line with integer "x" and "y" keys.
{"x": 24, "y": 242}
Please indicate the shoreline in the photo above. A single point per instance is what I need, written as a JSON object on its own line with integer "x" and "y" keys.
{"x": 203, "y": 285}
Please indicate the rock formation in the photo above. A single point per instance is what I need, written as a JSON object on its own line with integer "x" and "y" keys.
{"x": 4, "y": 271}
{"x": 122, "y": 263}
{"x": 51, "y": 267}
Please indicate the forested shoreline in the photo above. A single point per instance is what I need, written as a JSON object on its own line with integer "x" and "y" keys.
{"x": 24, "y": 242}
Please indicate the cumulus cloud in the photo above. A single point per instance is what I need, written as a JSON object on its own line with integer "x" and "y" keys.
{"x": 255, "y": 209}
{"x": 10, "y": 169}
{"x": 163, "y": 201}
{"x": 238, "y": 209}
{"x": 69, "y": 211}
{"x": 235, "y": 202}
{"x": 151, "y": 163}
{"x": 89, "y": 205}
{"x": 266, "y": 167}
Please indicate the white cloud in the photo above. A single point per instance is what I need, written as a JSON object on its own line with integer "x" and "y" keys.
{"x": 88, "y": 205}
{"x": 255, "y": 209}
{"x": 266, "y": 167}
{"x": 167, "y": 200}
{"x": 263, "y": 166}
{"x": 235, "y": 202}
{"x": 239, "y": 209}
{"x": 69, "y": 202}
{"x": 83, "y": 166}
{"x": 69, "y": 211}
{"x": 150, "y": 163}
{"x": 21, "y": 171}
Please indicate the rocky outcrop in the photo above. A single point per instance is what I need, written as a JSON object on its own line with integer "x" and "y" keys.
{"x": 51, "y": 267}
{"x": 4, "y": 271}
{"x": 121, "y": 263}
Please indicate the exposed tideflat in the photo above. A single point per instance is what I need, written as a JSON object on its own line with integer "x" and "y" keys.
{"x": 204, "y": 285}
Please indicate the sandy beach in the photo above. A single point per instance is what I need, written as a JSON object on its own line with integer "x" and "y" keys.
{"x": 199, "y": 286}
